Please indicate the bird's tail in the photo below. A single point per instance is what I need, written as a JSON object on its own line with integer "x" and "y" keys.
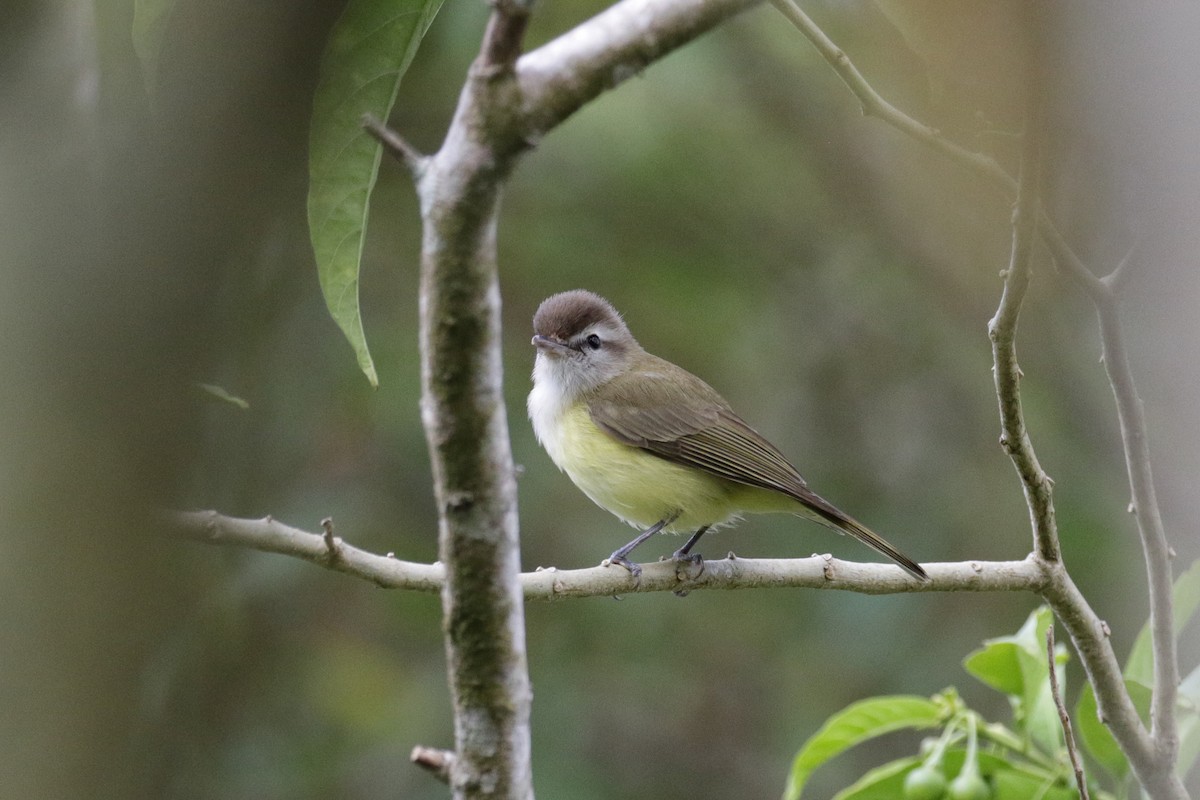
{"x": 828, "y": 514}
{"x": 869, "y": 537}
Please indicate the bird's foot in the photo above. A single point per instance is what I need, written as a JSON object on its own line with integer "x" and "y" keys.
{"x": 688, "y": 566}
{"x": 621, "y": 561}
{"x": 681, "y": 557}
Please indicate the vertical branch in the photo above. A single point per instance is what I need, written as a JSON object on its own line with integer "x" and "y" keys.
{"x": 463, "y": 411}
{"x": 1144, "y": 505}
{"x": 1002, "y": 329}
{"x": 499, "y": 116}
{"x": 1152, "y": 757}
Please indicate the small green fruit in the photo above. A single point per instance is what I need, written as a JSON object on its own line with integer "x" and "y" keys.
{"x": 970, "y": 786}
{"x": 924, "y": 783}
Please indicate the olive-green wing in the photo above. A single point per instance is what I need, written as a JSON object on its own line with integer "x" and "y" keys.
{"x": 671, "y": 413}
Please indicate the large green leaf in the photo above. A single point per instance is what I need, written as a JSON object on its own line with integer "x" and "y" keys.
{"x": 882, "y": 783}
{"x": 855, "y": 724}
{"x": 368, "y": 52}
{"x": 1140, "y": 666}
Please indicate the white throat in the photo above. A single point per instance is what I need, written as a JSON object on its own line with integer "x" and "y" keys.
{"x": 553, "y": 393}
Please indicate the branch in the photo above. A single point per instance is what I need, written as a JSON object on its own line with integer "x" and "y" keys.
{"x": 558, "y": 78}
{"x": 1002, "y": 330}
{"x": 465, "y": 421}
{"x": 438, "y": 763}
{"x": 396, "y": 145}
{"x": 1144, "y": 505}
{"x": 1152, "y": 757}
{"x": 504, "y": 106}
{"x": 1064, "y": 718}
{"x": 984, "y": 166}
{"x": 819, "y": 572}
{"x": 269, "y": 535}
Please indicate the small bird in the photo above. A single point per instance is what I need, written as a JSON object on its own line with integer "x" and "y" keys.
{"x": 653, "y": 444}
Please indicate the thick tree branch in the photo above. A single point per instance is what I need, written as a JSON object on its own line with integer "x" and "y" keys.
{"x": 465, "y": 421}
{"x": 500, "y": 114}
{"x": 558, "y": 78}
{"x": 819, "y": 572}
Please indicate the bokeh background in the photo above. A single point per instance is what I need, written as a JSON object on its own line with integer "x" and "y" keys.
{"x": 832, "y": 278}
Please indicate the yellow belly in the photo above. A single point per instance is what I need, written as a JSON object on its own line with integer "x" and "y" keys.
{"x": 643, "y": 489}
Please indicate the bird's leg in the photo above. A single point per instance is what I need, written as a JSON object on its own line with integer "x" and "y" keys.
{"x": 682, "y": 553}
{"x": 620, "y": 556}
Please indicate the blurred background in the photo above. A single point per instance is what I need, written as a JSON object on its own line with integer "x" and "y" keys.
{"x": 832, "y": 278}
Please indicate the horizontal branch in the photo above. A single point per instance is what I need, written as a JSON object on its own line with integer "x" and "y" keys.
{"x": 819, "y": 572}
{"x": 272, "y": 536}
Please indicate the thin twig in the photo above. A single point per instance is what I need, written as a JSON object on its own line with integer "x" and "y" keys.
{"x": 437, "y": 762}
{"x": 874, "y": 105}
{"x": 1065, "y": 718}
{"x": 985, "y": 166}
{"x": 396, "y": 145}
{"x": 331, "y": 543}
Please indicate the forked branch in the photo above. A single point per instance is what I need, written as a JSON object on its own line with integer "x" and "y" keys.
{"x": 1153, "y": 754}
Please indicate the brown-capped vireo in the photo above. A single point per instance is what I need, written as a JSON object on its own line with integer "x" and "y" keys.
{"x": 651, "y": 442}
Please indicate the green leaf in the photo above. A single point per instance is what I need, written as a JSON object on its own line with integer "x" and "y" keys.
{"x": 1140, "y": 666}
{"x": 368, "y": 53}
{"x": 1010, "y": 784}
{"x": 882, "y": 783}
{"x": 997, "y": 665}
{"x": 1017, "y": 666}
{"x": 886, "y": 782}
{"x": 149, "y": 29}
{"x": 1097, "y": 740}
{"x": 855, "y": 724}
{"x": 1189, "y": 722}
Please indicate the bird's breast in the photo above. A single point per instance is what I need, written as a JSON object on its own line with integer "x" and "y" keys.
{"x": 635, "y": 485}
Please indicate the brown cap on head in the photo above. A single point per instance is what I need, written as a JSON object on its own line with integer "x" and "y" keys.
{"x": 564, "y": 315}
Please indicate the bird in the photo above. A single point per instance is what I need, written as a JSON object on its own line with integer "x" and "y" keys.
{"x": 652, "y": 443}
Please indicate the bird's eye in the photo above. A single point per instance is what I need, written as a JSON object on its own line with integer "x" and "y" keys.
{"x": 593, "y": 342}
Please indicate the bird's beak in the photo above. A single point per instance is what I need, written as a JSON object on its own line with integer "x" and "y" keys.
{"x": 548, "y": 345}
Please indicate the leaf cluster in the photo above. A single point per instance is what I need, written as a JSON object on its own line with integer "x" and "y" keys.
{"x": 967, "y": 756}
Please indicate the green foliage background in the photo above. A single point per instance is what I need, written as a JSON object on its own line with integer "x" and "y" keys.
{"x": 831, "y": 278}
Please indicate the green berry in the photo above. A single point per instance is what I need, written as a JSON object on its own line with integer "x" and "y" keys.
{"x": 969, "y": 786}
{"x": 924, "y": 783}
